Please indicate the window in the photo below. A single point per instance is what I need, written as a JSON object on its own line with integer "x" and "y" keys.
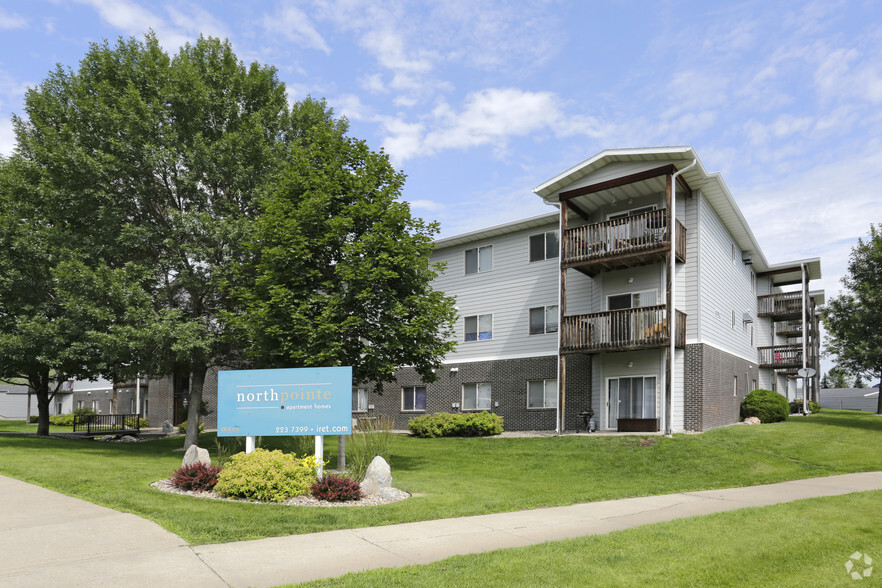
{"x": 632, "y": 212}
{"x": 95, "y": 406}
{"x": 544, "y": 246}
{"x": 81, "y": 403}
{"x": 132, "y": 406}
{"x": 476, "y": 396}
{"x": 479, "y": 327}
{"x": 413, "y": 398}
{"x": 735, "y": 387}
{"x": 58, "y": 408}
{"x": 479, "y": 259}
{"x": 543, "y": 319}
{"x": 542, "y": 394}
{"x": 733, "y": 252}
{"x": 359, "y": 400}
{"x": 733, "y": 319}
{"x": 631, "y": 300}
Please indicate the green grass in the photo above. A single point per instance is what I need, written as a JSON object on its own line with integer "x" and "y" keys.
{"x": 25, "y": 427}
{"x": 804, "y": 543}
{"x": 458, "y": 477}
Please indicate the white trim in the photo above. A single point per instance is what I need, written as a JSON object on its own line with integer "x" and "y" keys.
{"x": 657, "y": 378}
{"x": 498, "y": 357}
{"x": 544, "y": 394}
{"x": 627, "y": 213}
{"x": 544, "y": 246}
{"x": 415, "y": 410}
{"x": 631, "y": 293}
{"x": 545, "y": 322}
{"x": 754, "y": 360}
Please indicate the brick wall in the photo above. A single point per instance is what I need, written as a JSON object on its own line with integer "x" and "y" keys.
{"x": 712, "y": 398}
{"x": 508, "y": 380}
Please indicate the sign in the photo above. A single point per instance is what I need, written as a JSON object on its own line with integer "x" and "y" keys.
{"x": 806, "y": 372}
{"x": 301, "y": 401}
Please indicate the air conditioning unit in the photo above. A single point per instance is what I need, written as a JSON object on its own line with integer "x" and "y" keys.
{"x": 746, "y": 258}
{"x": 746, "y": 318}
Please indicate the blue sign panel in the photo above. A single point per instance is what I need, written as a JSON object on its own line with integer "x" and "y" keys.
{"x": 301, "y": 401}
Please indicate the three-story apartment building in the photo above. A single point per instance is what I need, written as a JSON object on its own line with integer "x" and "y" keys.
{"x": 644, "y": 297}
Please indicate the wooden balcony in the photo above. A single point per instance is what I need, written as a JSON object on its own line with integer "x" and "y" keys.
{"x": 789, "y": 329}
{"x": 781, "y": 307}
{"x": 621, "y": 243}
{"x": 781, "y": 357}
{"x": 620, "y": 330}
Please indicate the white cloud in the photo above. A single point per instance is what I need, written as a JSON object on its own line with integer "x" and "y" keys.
{"x": 196, "y": 20}
{"x": 7, "y": 137}
{"x": 430, "y": 205}
{"x": 125, "y": 15}
{"x": 296, "y": 26}
{"x": 9, "y": 21}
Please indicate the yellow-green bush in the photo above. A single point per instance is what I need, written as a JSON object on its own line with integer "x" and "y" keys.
{"x": 133, "y": 422}
{"x": 445, "y": 424}
{"x": 266, "y": 475}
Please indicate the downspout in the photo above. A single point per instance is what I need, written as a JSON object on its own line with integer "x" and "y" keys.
{"x": 672, "y": 320}
{"x": 557, "y": 427}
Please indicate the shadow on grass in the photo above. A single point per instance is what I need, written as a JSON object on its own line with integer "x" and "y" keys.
{"x": 850, "y": 419}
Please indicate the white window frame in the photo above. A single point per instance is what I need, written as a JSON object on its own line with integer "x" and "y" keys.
{"x": 81, "y": 404}
{"x": 477, "y": 250}
{"x": 627, "y": 213}
{"x": 96, "y": 407}
{"x": 477, "y": 386}
{"x": 478, "y": 332}
{"x": 549, "y": 386}
{"x": 545, "y": 256}
{"x": 643, "y": 405}
{"x": 359, "y": 394}
{"x": 413, "y": 390}
{"x": 632, "y": 293}
{"x": 544, "y": 309}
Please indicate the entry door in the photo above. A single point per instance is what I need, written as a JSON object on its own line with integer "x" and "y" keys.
{"x": 622, "y": 327}
{"x": 630, "y": 398}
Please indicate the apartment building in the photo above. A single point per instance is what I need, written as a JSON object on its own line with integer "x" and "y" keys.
{"x": 644, "y": 298}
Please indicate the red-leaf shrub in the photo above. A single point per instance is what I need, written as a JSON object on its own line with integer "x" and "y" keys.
{"x": 197, "y": 476}
{"x": 337, "y": 489}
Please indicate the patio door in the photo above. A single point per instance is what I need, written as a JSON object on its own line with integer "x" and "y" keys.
{"x": 630, "y": 398}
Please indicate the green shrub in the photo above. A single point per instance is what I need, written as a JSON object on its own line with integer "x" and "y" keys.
{"x": 337, "y": 489}
{"x": 445, "y": 424}
{"x": 796, "y": 406}
{"x": 265, "y": 475}
{"x": 196, "y": 476}
{"x": 370, "y": 439}
{"x": 83, "y": 413}
{"x": 33, "y": 419}
{"x": 182, "y": 428}
{"x": 227, "y": 447}
{"x": 62, "y": 420}
{"x": 135, "y": 422}
{"x": 767, "y": 406}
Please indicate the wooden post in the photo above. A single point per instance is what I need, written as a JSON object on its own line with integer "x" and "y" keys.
{"x": 562, "y": 310}
{"x": 669, "y": 302}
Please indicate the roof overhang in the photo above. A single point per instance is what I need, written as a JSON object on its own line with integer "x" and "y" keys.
{"x": 786, "y": 274}
{"x": 495, "y": 231}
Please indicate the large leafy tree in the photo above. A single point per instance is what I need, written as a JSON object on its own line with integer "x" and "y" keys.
{"x": 340, "y": 273}
{"x": 853, "y": 318}
{"x": 58, "y": 311}
{"x": 156, "y": 161}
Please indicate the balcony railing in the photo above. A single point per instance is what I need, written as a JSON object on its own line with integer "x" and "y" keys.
{"x": 620, "y": 330}
{"x": 786, "y": 306}
{"x": 789, "y": 329}
{"x": 780, "y": 356}
{"x": 638, "y": 235}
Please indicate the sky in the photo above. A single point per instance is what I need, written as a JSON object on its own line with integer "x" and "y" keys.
{"x": 480, "y": 101}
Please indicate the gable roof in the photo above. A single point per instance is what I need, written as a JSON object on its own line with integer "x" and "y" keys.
{"x": 711, "y": 185}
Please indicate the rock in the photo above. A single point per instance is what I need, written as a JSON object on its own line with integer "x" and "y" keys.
{"x": 751, "y": 421}
{"x": 167, "y": 428}
{"x": 195, "y": 454}
{"x": 128, "y": 439}
{"x": 378, "y": 477}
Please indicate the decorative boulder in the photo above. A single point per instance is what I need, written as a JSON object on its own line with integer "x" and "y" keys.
{"x": 196, "y": 454}
{"x": 378, "y": 478}
{"x": 168, "y": 428}
{"x": 751, "y": 421}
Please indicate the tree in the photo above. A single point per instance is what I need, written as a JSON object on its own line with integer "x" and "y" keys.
{"x": 859, "y": 382}
{"x": 156, "y": 162}
{"x": 56, "y": 310}
{"x": 853, "y": 318}
{"x": 839, "y": 378}
{"x": 825, "y": 382}
{"x": 340, "y": 273}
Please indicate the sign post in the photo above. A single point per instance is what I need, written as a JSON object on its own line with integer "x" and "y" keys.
{"x": 280, "y": 402}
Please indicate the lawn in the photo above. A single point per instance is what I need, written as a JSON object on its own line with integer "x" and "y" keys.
{"x": 458, "y": 477}
{"x": 803, "y": 543}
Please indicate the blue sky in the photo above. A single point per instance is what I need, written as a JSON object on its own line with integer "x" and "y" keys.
{"x": 479, "y": 101}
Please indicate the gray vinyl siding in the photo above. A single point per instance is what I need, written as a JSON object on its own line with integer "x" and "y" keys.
{"x": 508, "y": 291}
{"x": 725, "y": 287}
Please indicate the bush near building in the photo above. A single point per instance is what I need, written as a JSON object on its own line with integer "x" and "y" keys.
{"x": 445, "y": 424}
{"x": 766, "y": 405}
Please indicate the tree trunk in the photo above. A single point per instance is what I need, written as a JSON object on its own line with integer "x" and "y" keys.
{"x": 879, "y": 397}
{"x": 197, "y": 382}
{"x": 341, "y": 453}
{"x": 39, "y": 384}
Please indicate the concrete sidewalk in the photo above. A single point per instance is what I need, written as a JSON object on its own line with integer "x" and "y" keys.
{"x": 42, "y": 537}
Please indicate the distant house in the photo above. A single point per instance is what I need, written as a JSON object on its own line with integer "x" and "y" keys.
{"x": 15, "y": 402}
